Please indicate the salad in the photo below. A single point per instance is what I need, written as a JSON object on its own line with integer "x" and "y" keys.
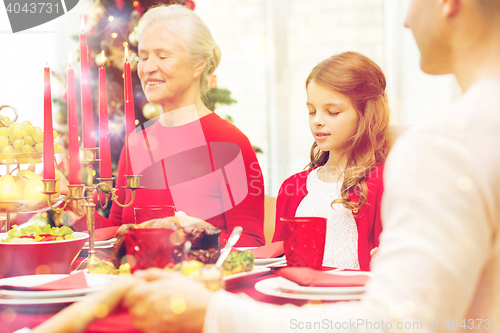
{"x": 37, "y": 233}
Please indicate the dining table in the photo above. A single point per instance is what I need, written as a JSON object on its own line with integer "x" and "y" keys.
{"x": 122, "y": 322}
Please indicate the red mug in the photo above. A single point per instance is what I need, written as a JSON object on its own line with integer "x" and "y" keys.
{"x": 304, "y": 241}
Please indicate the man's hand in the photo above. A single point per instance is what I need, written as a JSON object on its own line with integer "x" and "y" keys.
{"x": 167, "y": 302}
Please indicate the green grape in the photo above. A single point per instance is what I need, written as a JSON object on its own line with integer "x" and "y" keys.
{"x": 38, "y": 136}
{"x": 4, "y": 141}
{"x": 39, "y": 147}
{"x": 15, "y": 125}
{"x": 26, "y": 123}
{"x": 12, "y": 139}
{"x": 38, "y": 129}
{"x": 30, "y": 130}
{"x": 18, "y": 133}
{"x": 19, "y": 143}
{"x": 17, "y": 150}
{"x": 28, "y": 139}
{"x": 58, "y": 150}
{"x": 4, "y": 131}
{"x": 27, "y": 148}
{"x": 8, "y": 149}
{"x": 7, "y": 120}
{"x": 55, "y": 134}
{"x": 37, "y": 160}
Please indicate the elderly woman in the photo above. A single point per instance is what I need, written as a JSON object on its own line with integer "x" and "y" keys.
{"x": 188, "y": 157}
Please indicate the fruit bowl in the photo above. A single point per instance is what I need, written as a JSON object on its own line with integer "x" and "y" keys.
{"x": 26, "y": 206}
{"x": 21, "y": 158}
{"x": 53, "y": 257}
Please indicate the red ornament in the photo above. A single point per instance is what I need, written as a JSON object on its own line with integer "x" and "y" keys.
{"x": 190, "y": 4}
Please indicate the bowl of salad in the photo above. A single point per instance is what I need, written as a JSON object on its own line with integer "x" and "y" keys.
{"x": 38, "y": 249}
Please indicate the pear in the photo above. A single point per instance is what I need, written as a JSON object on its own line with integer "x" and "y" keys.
{"x": 33, "y": 190}
{"x": 8, "y": 189}
{"x": 27, "y": 174}
{"x": 20, "y": 182}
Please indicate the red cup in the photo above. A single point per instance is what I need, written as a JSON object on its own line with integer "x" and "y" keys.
{"x": 152, "y": 247}
{"x": 304, "y": 241}
{"x": 146, "y": 213}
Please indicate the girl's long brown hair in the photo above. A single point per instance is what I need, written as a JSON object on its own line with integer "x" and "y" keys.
{"x": 363, "y": 82}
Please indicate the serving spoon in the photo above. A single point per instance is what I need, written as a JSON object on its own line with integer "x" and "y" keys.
{"x": 233, "y": 238}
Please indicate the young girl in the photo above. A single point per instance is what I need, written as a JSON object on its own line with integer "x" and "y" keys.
{"x": 348, "y": 118}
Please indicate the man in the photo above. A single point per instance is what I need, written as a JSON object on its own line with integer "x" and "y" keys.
{"x": 438, "y": 266}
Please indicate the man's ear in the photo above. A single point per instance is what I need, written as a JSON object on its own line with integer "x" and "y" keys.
{"x": 449, "y": 8}
{"x": 200, "y": 67}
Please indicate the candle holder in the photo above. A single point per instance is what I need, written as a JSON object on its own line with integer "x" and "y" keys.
{"x": 85, "y": 203}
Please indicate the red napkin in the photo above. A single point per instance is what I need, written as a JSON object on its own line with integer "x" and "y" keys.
{"x": 74, "y": 281}
{"x": 104, "y": 233}
{"x": 309, "y": 277}
{"x": 272, "y": 250}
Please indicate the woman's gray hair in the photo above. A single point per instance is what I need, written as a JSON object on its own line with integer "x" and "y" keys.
{"x": 193, "y": 34}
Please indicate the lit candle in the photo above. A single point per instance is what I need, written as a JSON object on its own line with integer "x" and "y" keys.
{"x": 87, "y": 114}
{"x": 129, "y": 104}
{"x": 75, "y": 177}
{"x": 104, "y": 150}
{"x": 48, "y": 135}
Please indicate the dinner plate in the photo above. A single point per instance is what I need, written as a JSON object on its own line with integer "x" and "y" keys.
{"x": 265, "y": 261}
{"x": 94, "y": 281}
{"x": 110, "y": 241}
{"x": 257, "y": 270}
{"x": 271, "y": 287}
{"x": 38, "y": 305}
{"x": 288, "y": 286}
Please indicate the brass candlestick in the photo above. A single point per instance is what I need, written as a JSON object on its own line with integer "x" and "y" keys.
{"x": 76, "y": 194}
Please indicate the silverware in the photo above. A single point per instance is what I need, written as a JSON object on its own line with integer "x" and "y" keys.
{"x": 235, "y": 235}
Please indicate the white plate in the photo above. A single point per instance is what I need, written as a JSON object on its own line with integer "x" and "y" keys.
{"x": 110, "y": 241}
{"x": 94, "y": 281}
{"x": 260, "y": 262}
{"x": 257, "y": 270}
{"x": 270, "y": 287}
{"x": 286, "y": 285}
{"x": 97, "y": 247}
{"x": 39, "y": 305}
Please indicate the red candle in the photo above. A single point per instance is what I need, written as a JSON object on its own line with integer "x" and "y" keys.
{"x": 104, "y": 150}
{"x": 75, "y": 176}
{"x": 129, "y": 104}
{"x": 87, "y": 114}
{"x": 48, "y": 135}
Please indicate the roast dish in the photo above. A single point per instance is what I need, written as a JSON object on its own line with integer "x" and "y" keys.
{"x": 203, "y": 236}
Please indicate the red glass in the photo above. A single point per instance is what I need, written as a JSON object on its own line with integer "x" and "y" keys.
{"x": 304, "y": 241}
{"x": 152, "y": 247}
{"x": 146, "y": 213}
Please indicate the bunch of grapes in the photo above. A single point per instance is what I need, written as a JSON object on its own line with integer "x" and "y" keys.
{"x": 24, "y": 141}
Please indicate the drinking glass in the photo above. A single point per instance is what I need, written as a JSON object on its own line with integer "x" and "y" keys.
{"x": 304, "y": 241}
{"x": 146, "y": 213}
{"x": 152, "y": 247}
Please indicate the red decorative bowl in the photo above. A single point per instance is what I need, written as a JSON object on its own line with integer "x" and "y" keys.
{"x": 53, "y": 257}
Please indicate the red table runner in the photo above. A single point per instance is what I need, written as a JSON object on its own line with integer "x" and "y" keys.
{"x": 122, "y": 322}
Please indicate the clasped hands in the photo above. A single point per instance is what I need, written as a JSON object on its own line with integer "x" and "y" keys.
{"x": 157, "y": 300}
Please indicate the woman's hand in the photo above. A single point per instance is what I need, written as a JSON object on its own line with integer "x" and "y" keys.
{"x": 167, "y": 302}
{"x": 78, "y": 316}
